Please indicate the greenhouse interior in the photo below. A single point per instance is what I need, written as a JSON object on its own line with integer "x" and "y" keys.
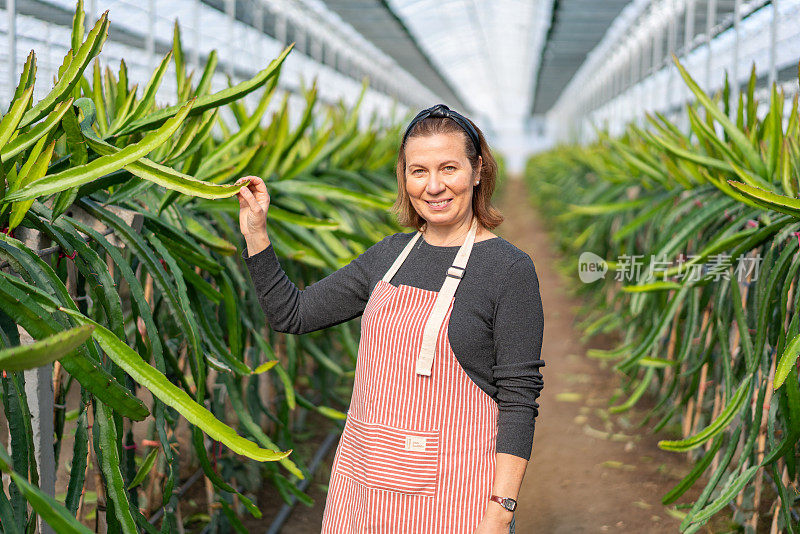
{"x": 285, "y": 266}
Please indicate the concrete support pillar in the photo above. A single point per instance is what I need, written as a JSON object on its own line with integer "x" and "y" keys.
{"x": 39, "y": 391}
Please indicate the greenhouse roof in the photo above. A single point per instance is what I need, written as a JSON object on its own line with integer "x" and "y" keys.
{"x": 379, "y": 24}
{"x": 580, "y": 29}
{"x": 478, "y": 57}
{"x": 499, "y": 58}
{"x": 576, "y": 27}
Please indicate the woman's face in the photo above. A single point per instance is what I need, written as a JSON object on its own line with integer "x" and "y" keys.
{"x": 437, "y": 170}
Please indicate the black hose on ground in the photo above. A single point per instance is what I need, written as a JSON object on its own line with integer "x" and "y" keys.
{"x": 319, "y": 456}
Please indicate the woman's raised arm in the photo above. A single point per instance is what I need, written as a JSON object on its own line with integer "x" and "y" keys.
{"x": 338, "y": 297}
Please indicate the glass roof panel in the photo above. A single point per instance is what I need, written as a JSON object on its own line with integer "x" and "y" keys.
{"x": 488, "y": 49}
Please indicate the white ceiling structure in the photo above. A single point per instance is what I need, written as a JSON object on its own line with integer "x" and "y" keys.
{"x": 480, "y": 57}
{"x": 488, "y": 49}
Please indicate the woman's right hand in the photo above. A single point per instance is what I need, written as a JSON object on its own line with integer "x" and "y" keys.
{"x": 253, "y": 206}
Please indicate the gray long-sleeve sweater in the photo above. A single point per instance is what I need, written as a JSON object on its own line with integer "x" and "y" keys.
{"x": 495, "y": 329}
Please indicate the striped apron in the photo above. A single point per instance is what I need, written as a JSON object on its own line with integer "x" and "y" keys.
{"x": 417, "y": 454}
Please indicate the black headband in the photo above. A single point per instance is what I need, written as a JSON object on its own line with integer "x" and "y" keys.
{"x": 442, "y": 111}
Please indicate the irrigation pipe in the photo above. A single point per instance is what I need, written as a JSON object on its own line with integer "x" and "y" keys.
{"x": 183, "y": 489}
{"x": 286, "y": 509}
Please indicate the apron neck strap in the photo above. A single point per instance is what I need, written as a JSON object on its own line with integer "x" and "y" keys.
{"x": 430, "y": 334}
{"x": 460, "y": 262}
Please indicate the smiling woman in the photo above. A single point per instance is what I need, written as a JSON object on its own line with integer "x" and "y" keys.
{"x": 441, "y": 420}
{"x": 445, "y": 173}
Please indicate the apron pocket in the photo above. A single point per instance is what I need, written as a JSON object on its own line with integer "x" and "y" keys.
{"x": 390, "y": 458}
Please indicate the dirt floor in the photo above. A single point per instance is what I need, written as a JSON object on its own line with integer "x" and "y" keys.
{"x": 576, "y": 481}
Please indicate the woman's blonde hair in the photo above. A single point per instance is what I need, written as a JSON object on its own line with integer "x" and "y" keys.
{"x": 488, "y": 216}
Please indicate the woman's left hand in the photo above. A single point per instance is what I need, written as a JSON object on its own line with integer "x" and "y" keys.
{"x": 495, "y": 523}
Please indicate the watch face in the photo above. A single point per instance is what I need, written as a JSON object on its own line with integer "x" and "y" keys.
{"x": 510, "y": 504}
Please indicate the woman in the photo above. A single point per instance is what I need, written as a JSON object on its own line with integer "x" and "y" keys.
{"x": 440, "y": 426}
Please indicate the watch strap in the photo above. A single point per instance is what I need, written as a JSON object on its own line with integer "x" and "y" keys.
{"x": 502, "y": 502}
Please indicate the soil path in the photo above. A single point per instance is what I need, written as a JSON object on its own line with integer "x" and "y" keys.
{"x": 578, "y": 480}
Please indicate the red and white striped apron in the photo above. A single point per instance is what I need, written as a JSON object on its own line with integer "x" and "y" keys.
{"x": 417, "y": 454}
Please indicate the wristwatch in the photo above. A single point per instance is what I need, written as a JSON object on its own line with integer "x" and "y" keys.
{"x": 506, "y": 502}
